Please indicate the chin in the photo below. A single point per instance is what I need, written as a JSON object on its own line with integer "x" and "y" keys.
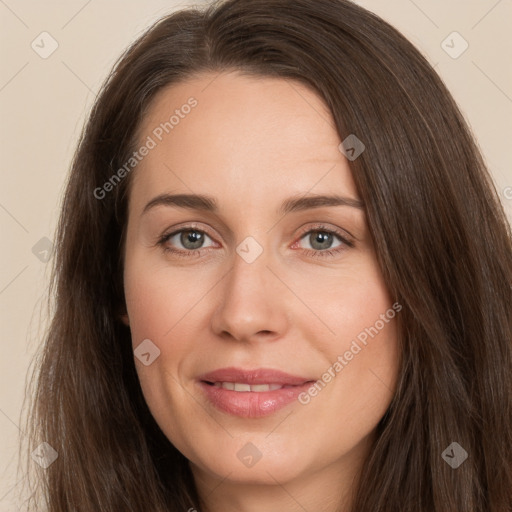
{"x": 252, "y": 460}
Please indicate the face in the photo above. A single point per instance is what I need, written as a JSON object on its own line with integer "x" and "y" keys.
{"x": 264, "y": 335}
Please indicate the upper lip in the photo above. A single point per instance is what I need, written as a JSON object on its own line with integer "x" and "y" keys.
{"x": 255, "y": 376}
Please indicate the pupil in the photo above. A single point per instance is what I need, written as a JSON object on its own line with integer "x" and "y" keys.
{"x": 192, "y": 239}
{"x": 321, "y": 238}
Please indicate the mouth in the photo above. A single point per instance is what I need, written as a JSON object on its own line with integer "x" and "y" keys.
{"x": 251, "y": 393}
{"x": 244, "y": 387}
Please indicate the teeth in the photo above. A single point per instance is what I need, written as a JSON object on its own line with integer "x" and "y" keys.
{"x": 257, "y": 388}
{"x": 260, "y": 387}
{"x": 242, "y": 387}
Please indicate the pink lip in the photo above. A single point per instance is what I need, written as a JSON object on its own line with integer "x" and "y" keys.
{"x": 250, "y": 404}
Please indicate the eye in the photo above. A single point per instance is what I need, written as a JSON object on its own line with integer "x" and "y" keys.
{"x": 185, "y": 242}
{"x": 322, "y": 241}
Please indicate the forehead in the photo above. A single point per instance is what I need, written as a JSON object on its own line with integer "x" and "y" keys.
{"x": 253, "y": 136}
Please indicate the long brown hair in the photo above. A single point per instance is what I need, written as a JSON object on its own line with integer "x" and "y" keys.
{"x": 441, "y": 236}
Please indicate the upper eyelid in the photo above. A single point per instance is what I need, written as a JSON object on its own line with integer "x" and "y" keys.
{"x": 175, "y": 231}
{"x": 321, "y": 227}
{"x": 187, "y": 227}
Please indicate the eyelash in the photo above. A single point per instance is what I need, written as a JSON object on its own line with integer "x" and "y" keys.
{"x": 309, "y": 252}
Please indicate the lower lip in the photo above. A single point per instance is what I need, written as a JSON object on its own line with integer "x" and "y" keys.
{"x": 252, "y": 404}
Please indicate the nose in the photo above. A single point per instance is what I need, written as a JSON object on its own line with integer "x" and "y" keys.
{"x": 253, "y": 303}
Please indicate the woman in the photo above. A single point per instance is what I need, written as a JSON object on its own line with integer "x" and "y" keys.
{"x": 283, "y": 279}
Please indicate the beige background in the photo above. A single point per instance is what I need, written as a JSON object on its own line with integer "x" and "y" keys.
{"x": 44, "y": 102}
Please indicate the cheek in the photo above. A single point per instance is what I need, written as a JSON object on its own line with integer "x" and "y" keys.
{"x": 160, "y": 305}
{"x": 168, "y": 306}
{"x": 158, "y": 299}
{"x": 348, "y": 304}
{"x": 360, "y": 352}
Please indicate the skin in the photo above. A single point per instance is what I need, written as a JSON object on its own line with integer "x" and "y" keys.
{"x": 251, "y": 143}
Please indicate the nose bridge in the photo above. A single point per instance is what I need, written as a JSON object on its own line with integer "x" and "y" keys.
{"x": 249, "y": 302}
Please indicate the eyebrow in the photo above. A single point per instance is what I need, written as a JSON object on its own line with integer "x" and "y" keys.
{"x": 292, "y": 204}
